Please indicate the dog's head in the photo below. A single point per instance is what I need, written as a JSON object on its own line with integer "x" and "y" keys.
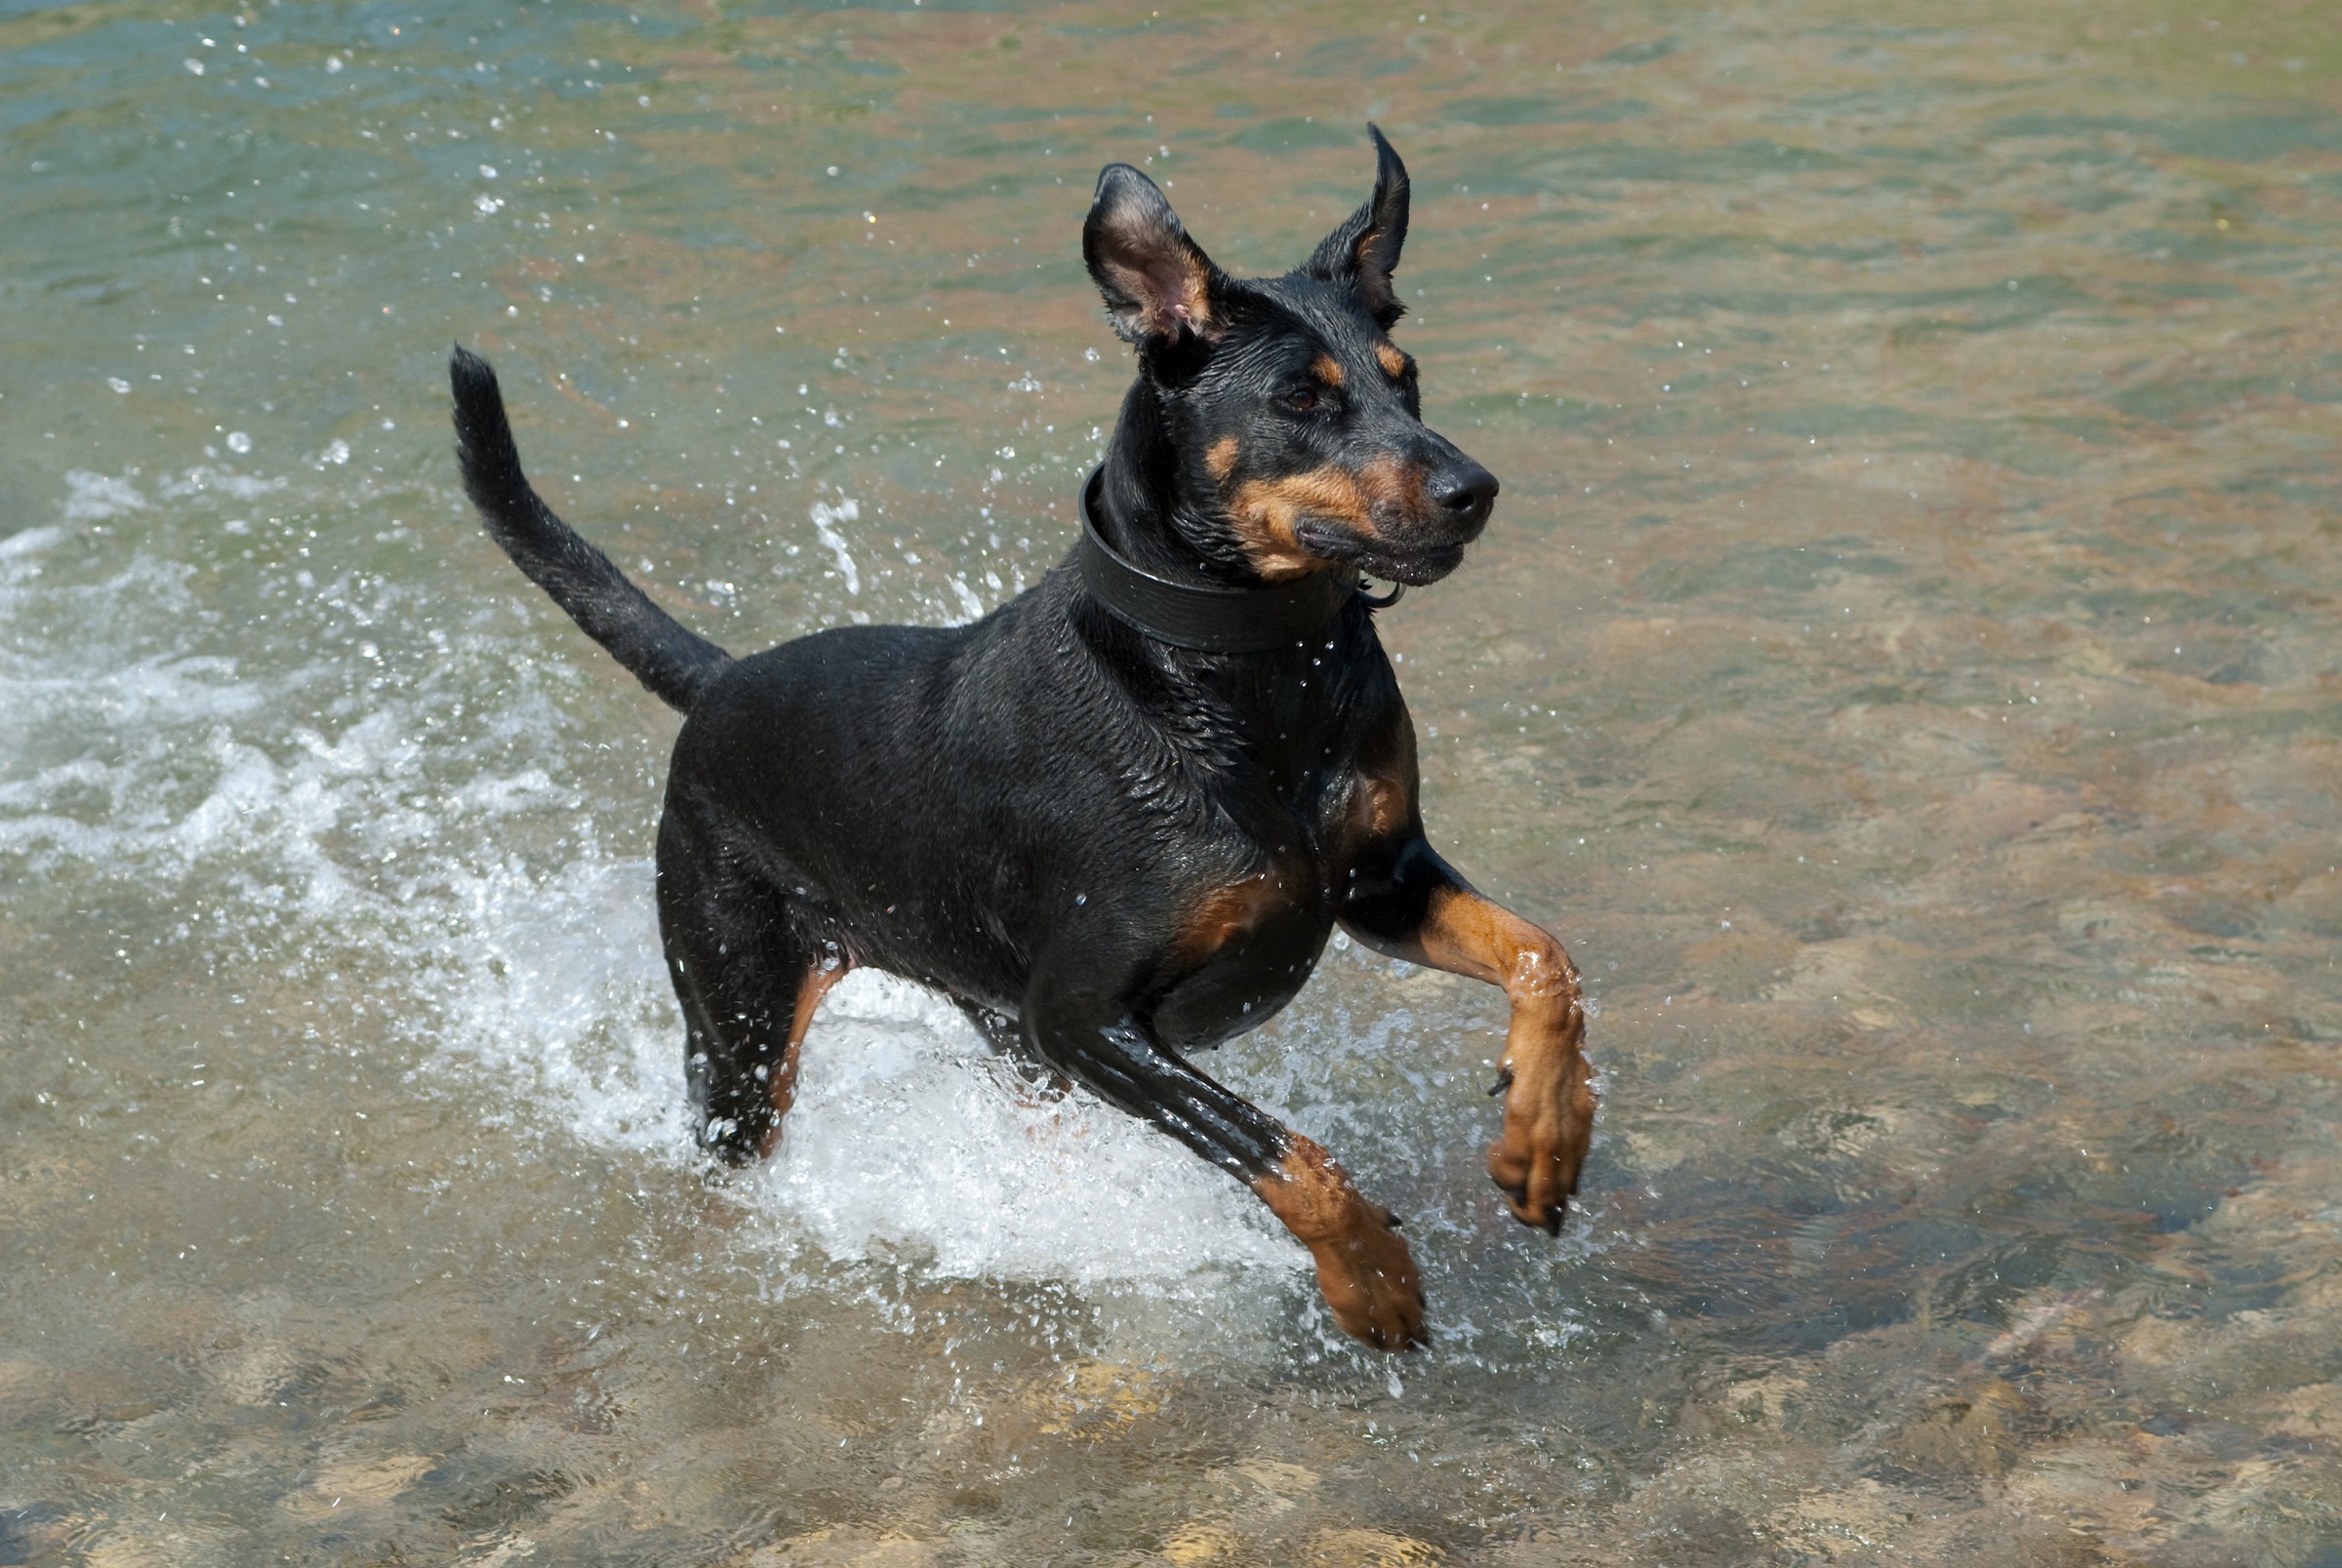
{"x": 1295, "y": 422}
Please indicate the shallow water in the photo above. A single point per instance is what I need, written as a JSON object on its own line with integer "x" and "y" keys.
{"x": 1903, "y": 667}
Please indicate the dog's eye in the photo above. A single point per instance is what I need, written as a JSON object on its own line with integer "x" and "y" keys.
{"x": 1302, "y": 399}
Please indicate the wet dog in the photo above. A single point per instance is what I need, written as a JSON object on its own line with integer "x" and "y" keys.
{"x": 1117, "y": 818}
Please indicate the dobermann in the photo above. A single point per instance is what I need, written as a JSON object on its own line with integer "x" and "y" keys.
{"x": 1117, "y": 819}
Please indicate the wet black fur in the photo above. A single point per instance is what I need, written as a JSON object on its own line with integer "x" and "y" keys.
{"x": 1026, "y": 811}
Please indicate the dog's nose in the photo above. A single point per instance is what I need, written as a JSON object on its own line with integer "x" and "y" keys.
{"x": 1466, "y": 494}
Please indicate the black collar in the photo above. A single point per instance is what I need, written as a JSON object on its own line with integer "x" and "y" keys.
{"x": 1209, "y": 619}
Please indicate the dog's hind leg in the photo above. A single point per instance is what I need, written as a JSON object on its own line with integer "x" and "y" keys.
{"x": 749, "y": 969}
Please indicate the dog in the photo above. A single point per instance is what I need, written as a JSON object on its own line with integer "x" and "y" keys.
{"x": 1117, "y": 819}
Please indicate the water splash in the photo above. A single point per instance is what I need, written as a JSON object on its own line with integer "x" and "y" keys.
{"x": 826, "y": 519}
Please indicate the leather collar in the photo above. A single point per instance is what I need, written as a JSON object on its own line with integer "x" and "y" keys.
{"x": 1206, "y": 618}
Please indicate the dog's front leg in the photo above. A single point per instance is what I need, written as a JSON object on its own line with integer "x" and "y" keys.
{"x": 1410, "y": 904}
{"x": 1086, "y": 1028}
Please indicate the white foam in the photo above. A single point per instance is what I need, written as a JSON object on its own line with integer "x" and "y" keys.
{"x": 30, "y": 542}
{"x": 200, "y": 478}
{"x": 94, "y": 497}
{"x": 909, "y": 1133}
{"x": 550, "y": 990}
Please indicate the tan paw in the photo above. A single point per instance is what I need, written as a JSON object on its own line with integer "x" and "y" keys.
{"x": 1364, "y": 1269}
{"x": 1548, "y": 1125}
{"x": 1369, "y": 1282}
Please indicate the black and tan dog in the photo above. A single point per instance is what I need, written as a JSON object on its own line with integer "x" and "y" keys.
{"x": 1117, "y": 818}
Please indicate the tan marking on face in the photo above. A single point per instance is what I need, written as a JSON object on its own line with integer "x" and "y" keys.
{"x": 784, "y": 1086}
{"x": 1394, "y": 363}
{"x": 1392, "y": 486}
{"x": 1227, "y": 914}
{"x": 1268, "y": 514}
{"x": 1220, "y": 458}
{"x": 1327, "y": 369}
{"x": 1363, "y": 1267}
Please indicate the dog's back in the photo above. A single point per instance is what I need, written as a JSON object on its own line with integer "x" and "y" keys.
{"x": 856, "y": 767}
{"x": 942, "y": 797}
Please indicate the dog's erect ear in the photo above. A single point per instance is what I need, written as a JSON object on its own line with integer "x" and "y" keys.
{"x": 1364, "y": 250}
{"x": 1158, "y": 283}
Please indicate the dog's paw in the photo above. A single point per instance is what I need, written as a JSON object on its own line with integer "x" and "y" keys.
{"x": 1364, "y": 1269}
{"x": 1368, "y": 1278}
{"x": 1548, "y": 1125}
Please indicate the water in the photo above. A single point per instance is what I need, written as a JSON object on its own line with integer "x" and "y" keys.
{"x": 1903, "y": 667}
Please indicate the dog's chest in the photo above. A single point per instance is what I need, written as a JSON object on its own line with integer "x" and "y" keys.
{"x": 1263, "y": 947}
{"x": 1243, "y": 946}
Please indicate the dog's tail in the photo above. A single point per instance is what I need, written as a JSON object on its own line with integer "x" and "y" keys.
{"x": 672, "y": 662}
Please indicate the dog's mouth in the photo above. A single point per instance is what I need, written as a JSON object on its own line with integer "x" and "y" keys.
{"x": 1413, "y": 565}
